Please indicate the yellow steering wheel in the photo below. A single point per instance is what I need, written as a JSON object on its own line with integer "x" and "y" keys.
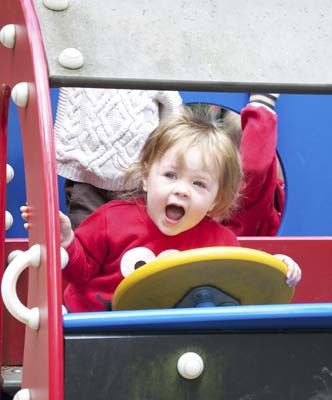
{"x": 242, "y": 275}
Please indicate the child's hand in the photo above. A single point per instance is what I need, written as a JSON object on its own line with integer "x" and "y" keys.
{"x": 294, "y": 271}
{"x": 25, "y": 214}
{"x": 66, "y": 233}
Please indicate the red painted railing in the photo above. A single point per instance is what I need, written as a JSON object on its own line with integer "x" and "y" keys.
{"x": 26, "y": 62}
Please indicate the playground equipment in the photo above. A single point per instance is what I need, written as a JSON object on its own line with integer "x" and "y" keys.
{"x": 200, "y": 59}
{"x": 260, "y": 279}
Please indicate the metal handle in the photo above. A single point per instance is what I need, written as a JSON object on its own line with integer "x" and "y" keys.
{"x": 23, "y": 260}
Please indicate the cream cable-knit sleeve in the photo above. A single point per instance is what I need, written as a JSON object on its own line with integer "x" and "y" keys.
{"x": 100, "y": 131}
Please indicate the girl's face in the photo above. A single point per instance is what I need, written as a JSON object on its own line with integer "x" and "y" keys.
{"x": 180, "y": 194}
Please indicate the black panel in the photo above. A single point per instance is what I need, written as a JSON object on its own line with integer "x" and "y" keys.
{"x": 238, "y": 366}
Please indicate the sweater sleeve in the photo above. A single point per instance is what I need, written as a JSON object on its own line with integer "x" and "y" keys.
{"x": 170, "y": 102}
{"x": 88, "y": 250}
{"x": 256, "y": 214}
{"x": 258, "y": 153}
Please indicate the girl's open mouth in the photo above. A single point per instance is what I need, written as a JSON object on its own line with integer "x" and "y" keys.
{"x": 174, "y": 212}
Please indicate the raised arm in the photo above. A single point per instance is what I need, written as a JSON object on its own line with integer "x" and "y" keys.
{"x": 258, "y": 145}
{"x": 257, "y": 214}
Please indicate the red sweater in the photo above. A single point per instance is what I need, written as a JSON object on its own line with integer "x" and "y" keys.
{"x": 263, "y": 195}
{"x": 113, "y": 240}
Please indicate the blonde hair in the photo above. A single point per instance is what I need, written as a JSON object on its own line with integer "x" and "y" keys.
{"x": 199, "y": 128}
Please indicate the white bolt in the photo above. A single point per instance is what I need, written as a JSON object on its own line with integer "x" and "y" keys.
{"x": 9, "y": 173}
{"x": 8, "y": 36}
{"x": 23, "y": 394}
{"x": 64, "y": 257}
{"x": 20, "y": 94}
{"x": 8, "y": 220}
{"x": 56, "y": 5}
{"x": 35, "y": 252}
{"x": 34, "y": 318}
{"x": 190, "y": 365}
{"x": 71, "y": 58}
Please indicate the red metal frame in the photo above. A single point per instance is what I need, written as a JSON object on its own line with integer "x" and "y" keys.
{"x": 43, "y": 350}
{"x": 4, "y": 106}
{"x": 13, "y": 331}
{"x": 313, "y": 254}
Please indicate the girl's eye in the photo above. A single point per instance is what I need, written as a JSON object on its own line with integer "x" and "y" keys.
{"x": 170, "y": 175}
{"x": 199, "y": 184}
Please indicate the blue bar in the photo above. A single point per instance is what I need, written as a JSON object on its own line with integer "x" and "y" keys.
{"x": 233, "y": 101}
{"x": 283, "y": 316}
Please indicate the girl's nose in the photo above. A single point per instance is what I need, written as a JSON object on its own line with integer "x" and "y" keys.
{"x": 181, "y": 190}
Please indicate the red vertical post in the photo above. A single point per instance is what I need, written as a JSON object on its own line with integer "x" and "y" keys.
{"x": 4, "y": 106}
{"x": 26, "y": 62}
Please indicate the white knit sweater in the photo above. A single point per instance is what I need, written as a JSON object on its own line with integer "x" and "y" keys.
{"x": 100, "y": 131}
